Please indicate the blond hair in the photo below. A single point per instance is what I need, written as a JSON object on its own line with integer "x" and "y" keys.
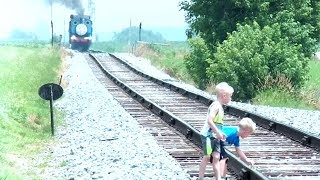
{"x": 223, "y": 87}
{"x": 247, "y": 124}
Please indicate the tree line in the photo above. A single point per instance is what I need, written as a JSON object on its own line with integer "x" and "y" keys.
{"x": 132, "y": 35}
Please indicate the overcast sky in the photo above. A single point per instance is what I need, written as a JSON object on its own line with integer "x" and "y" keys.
{"x": 111, "y": 15}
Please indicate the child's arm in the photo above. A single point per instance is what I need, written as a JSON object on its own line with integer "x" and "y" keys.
{"x": 213, "y": 112}
{"x": 243, "y": 157}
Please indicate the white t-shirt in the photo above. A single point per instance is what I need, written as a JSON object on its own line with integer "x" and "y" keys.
{"x": 218, "y": 120}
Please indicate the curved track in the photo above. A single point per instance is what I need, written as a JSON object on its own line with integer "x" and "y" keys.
{"x": 275, "y": 156}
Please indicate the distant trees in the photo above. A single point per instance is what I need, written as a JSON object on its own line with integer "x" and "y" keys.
{"x": 251, "y": 40}
{"x": 132, "y": 35}
{"x": 17, "y": 34}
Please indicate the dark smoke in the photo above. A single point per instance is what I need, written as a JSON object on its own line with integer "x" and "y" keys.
{"x": 72, "y": 4}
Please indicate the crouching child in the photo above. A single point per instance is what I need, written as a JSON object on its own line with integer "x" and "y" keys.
{"x": 233, "y": 134}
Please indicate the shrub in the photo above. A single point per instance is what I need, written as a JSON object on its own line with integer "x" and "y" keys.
{"x": 251, "y": 54}
{"x": 197, "y": 61}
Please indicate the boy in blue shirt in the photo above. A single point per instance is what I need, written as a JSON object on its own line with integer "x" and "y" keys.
{"x": 233, "y": 133}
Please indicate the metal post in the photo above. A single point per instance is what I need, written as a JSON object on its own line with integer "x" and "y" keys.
{"x": 51, "y": 111}
{"x": 51, "y": 26}
{"x": 60, "y": 80}
{"x": 64, "y": 30}
{"x": 129, "y": 40}
{"x": 140, "y": 32}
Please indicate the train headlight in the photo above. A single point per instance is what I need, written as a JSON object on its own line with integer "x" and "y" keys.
{"x": 81, "y": 29}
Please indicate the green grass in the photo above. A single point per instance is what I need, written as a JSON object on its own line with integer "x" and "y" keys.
{"x": 311, "y": 90}
{"x": 314, "y": 75}
{"x": 25, "y": 43}
{"x": 169, "y": 57}
{"x": 280, "y": 98}
{"x": 24, "y": 116}
{"x": 307, "y": 97}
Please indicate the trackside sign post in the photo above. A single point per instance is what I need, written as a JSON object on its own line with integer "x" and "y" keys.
{"x": 50, "y": 92}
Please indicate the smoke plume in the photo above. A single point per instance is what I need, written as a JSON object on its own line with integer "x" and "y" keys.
{"x": 72, "y": 4}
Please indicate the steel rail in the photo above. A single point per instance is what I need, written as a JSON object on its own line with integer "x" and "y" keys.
{"x": 242, "y": 170}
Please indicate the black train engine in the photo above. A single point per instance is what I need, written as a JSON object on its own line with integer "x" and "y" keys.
{"x": 80, "y": 32}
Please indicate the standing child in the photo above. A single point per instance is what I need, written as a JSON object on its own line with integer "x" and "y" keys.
{"x": 213, "y": 125}
{"x": 245, "y": 128}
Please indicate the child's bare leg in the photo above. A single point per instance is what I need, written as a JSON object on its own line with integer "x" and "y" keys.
{"x": 202, "y": 167}
{"x": 223, "y": 167}
{"x": 216, "y": 165}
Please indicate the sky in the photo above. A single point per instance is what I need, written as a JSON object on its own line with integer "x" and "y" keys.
{"x": 111, "y": 15}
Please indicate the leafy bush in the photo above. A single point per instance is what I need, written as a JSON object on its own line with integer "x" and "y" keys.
{"x": 197, "y": 61}
{"x": 251, "y": 54}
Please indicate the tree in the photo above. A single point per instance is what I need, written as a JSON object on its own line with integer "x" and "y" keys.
{"x": 294, "y": 41}
{"x": 197, "y": 61}
{"x": 252, "y": 54}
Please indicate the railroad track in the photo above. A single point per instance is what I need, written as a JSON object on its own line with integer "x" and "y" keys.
{"x": 175, "y": 143}
{"x": 276, "y": 156}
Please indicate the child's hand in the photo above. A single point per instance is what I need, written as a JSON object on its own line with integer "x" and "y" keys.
{"x": 221, "y": 136}
{"x": 250, "y": 162}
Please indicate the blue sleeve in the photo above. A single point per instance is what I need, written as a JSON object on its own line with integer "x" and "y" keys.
{"x": 237, "y": 142}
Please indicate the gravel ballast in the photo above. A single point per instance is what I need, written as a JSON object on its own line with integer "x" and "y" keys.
{"x": 100, "y": 140}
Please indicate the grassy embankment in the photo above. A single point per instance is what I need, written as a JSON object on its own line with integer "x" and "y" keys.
{"x": 307, "y": 98}
{"x": 24, "y": 116}
{"x": 170, "y": 59}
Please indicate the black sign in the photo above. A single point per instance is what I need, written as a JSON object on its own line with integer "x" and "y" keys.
{"x": 45, "y": 91}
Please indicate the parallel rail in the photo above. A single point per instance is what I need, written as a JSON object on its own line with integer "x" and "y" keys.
{"x": 190, "y": 128}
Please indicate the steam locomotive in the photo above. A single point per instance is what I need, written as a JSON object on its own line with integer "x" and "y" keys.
{"x": 80, "y": 32}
